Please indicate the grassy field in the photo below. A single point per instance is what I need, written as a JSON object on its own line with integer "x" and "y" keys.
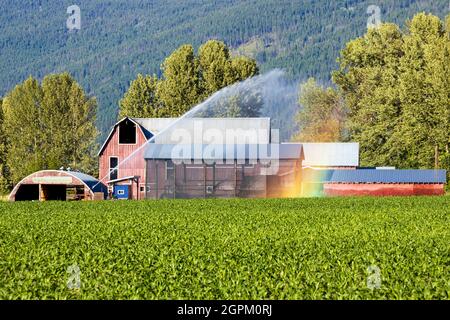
{"x": 227, "y": 249}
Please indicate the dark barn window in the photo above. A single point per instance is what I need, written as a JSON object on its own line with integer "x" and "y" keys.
{"x": 127, "y": 132}
{"x": 113, "y": 170}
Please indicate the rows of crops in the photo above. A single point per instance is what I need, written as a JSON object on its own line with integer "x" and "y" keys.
{"x": 227, "y": 249}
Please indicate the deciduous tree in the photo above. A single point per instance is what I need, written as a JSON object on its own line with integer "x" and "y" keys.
{"x": 48, "y": 126}
{"x": 396, "y": 85}
{"x": 322, "y": 117}
{"x": 141, "y": 100}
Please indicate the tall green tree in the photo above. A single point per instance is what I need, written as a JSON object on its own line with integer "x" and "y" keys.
{"x": 23, "y": 129}
{"x": 48, "y": 126}
{"x": 396, "y": 87}
{"x": 4, "y": 179}
{"x": 322, "y": 114}
{"x": 243, "y": 68}
{"x": 69, "y": 117}
{"x": 216, "y": 67}
{"x": 424, "y": 132}
{"x": 189, "y": 79}
{"x": 141, "y": 100}
{"x": 180, "y": 88}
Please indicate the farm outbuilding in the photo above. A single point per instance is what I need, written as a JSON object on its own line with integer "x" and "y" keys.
{"x": 137, "y": 162}
{"x": 339, "y": 156}
{"x": 223, "y": 171}
{"x": 372, "y": 182}
{"x": 122, "y": 166}
{"x": 58, "y": 185}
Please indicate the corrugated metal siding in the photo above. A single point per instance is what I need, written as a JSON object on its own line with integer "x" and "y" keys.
{"x": 375, "y": 176}
{"x": 94, "y": 184}
{"x": 223, "y": 152}
{"x": 255, "y": 130}
{"x": 134, "y": 166}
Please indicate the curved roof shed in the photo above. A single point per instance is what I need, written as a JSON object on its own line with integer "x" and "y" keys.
{"x": 55, "y": 185}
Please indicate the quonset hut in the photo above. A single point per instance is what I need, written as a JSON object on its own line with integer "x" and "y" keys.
{"x": 58, "y": 185}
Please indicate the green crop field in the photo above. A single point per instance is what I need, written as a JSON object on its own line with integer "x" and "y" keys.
{"x": 366, "y": 248}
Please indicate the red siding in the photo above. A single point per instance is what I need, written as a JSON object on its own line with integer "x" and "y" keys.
{"x": 132, "y": 166}
{"x": 336, "y": 190}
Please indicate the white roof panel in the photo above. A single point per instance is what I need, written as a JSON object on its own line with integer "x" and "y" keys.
{"x": 331, "y": 154}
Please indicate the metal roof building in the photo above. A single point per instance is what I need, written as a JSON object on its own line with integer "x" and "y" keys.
{"x": 58, "y": 185}
{"x": 369, "y": 182}
{"x": 222, "y": 171}
{"x": 376, "y": 176}
{"x": 223, "y": 152}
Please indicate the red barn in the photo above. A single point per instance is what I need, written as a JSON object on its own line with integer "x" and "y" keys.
{"x": 121, "y": 157}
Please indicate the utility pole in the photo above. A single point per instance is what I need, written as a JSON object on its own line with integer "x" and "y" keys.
{"x": 436, "y": 157}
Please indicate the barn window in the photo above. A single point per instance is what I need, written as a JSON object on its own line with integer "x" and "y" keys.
{"x": 127, "y": 132}
{"x": 113, "y": 170}
{"x": 170, "y": 168}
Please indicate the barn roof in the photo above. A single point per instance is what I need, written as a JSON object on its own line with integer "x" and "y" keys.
{"x": 94, "y": 184}
{"x": 154, "y": 126}
{"x": 223, "y": 152}
{"x": 331, "y": 154}
{"x": 375, "y": 176}
{"x": 255, "y": 130}
{"x": 145, "y": 131}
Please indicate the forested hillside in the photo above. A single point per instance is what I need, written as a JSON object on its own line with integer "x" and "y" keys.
{"x": 121, "y": 38}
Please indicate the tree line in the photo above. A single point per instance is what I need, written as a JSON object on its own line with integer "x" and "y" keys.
{"x": 187, "y": 80}
{"x": 51, "y": 124}
{"x": 45, "y": 126}
{"x": 301, "y": 37}
{"x": 391, "y": 94}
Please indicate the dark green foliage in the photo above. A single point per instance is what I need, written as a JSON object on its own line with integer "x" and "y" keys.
{"x": 120, "y": 39}
{"x": 141, "y": 100}
{"x": 227, "y": 249}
